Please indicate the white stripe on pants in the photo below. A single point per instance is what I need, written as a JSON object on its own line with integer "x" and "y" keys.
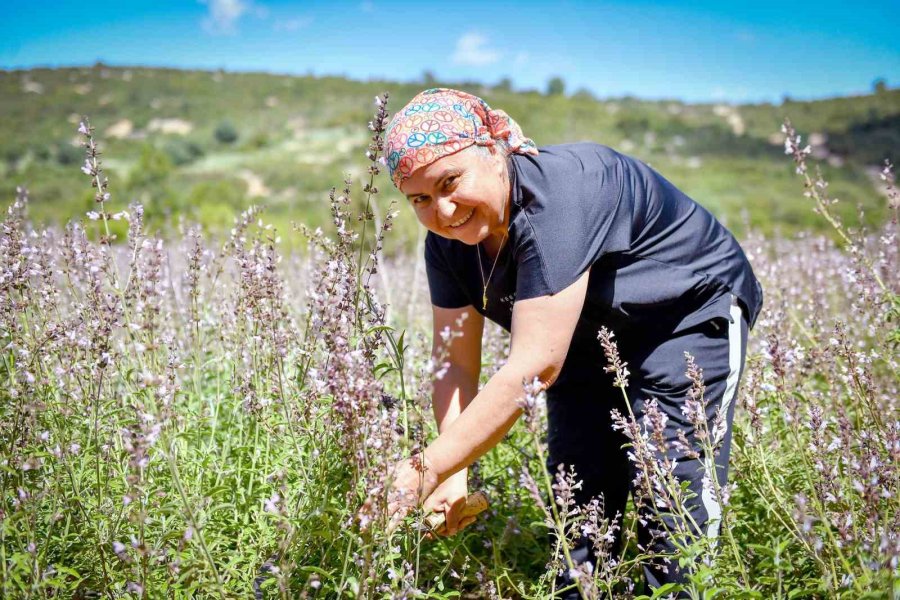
{"x": 710, "y": 502}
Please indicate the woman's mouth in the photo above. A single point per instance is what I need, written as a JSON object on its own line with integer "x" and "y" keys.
{"x": 463, "y": 220}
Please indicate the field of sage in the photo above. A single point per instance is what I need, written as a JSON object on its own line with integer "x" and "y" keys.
{"x": 188, "y": 417}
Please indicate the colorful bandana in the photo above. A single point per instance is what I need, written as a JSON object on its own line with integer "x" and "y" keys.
{"x": 441, "y": 121}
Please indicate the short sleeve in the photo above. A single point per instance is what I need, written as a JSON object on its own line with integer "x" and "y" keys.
{"x": 444, "y": 287}
{"x": 574, "y": 212}
{"x": 531, "y": 275}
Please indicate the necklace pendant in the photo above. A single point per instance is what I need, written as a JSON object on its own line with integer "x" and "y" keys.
{"x": 491, "y": 274}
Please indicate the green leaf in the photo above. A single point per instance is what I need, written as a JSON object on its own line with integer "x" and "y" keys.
{"x": 665, "y": 590}
{"x": 803, "y": 592}
{"x": 353, "y": 584}
{"x": 375, "y": 328}
{"x": 382, "y": 369}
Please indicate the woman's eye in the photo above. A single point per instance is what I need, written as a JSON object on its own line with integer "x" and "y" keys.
{"x": 450, "y": 180}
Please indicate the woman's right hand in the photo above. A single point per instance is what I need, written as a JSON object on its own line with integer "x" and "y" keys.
{"x": 450, "y": 499}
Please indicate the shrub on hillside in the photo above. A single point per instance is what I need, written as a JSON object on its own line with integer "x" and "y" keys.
{"x": 556, "y": 86}
{"x": 183, "y": 152}
{"x": 225, "y": 133}
{"x": 67, "y": 154}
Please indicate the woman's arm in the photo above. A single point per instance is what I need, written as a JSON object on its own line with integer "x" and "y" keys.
{"x": 459, "y": 384}
{"x": 452, "y": 392}
{"x": 542, "y": 330}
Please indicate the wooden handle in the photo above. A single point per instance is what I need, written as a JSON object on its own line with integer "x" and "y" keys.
{"x": 475, "y": 503}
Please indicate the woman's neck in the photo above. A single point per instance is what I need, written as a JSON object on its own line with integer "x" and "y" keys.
{"x": 492, "y": 245}
{"x": 494, "y": 242}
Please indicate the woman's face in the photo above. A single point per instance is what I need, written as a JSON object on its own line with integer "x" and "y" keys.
{"x": 463, "y": 196}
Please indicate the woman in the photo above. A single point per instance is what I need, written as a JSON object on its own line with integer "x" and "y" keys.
{"x": 552, "y": 244}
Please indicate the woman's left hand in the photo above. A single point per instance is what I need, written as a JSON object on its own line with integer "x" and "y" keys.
{"x": 412, "y": 481}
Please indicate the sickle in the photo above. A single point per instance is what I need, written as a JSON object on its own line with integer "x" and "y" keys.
{"x": 475, "y": 503}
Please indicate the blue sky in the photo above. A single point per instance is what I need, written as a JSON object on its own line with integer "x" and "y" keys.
{"x": 694, "y": 51}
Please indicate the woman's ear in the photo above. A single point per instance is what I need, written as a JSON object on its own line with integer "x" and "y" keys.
{"x": 500, "y": 162}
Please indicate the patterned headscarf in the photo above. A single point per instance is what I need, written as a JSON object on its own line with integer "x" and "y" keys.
{"x": 441, "y": 121}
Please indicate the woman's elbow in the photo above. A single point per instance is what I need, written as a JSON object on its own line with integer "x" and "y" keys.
{"x": 546, "y": 373}
{"x": 549, "y": 375}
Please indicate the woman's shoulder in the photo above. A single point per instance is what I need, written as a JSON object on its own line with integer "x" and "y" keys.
{"x": 577, "y": 173}
{"x": 579, "y": 166}
{"x": 583, "y": 148}
{"x": 574, "y": 155}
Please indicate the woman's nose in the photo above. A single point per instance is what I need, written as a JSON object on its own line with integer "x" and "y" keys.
{"x": 445, "y": 209}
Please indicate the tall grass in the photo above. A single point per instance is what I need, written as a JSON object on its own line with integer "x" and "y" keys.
{"x": 186, "y": 417}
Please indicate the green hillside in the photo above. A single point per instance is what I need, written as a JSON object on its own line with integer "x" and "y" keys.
{"x": 202, "y": 145}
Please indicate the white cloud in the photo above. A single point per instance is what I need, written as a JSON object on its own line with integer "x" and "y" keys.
{"x": 520, "y": 60}
{"x": 718, "y": 93}
{"x": 224, "y": 14}
{"x": 721, "y": 93}
{"x": 472, "y": 50}
{"x": 293, "y": 24}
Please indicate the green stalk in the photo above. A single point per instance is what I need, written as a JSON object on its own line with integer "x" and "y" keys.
{"x": 173, "y": 470}
{"x": 800, "y": 444}
{"x": 559, "y": 523}
{"x": 709, "y": 464}
{"x": 97, "y": 459}
{"x": 683, "y": 512}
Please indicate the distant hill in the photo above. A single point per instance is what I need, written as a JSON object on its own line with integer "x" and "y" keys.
{"x": 203, "y": 145}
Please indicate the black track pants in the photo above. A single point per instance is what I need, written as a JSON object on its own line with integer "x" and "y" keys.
{"x": 580, "y": 433}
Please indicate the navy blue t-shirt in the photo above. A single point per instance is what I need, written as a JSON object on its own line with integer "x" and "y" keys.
{"x": 657, "y": 259}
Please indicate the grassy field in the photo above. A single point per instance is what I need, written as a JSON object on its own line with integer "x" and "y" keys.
{"x": 188, "y": 416}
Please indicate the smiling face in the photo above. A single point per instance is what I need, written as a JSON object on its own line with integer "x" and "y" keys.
{"x": 462, "y": 196}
